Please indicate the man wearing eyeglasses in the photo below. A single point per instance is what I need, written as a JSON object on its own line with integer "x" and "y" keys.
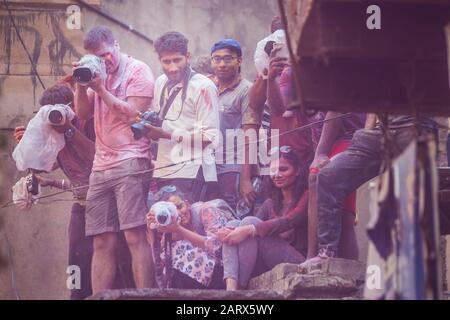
{"x": 187, "y": 104}
{"x": 236, "y": 117}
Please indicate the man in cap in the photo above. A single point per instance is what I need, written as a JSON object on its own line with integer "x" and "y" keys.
{"x": 234, "y": 169}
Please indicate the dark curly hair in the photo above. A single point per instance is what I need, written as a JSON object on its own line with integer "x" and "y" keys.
{"x": 300, "y": 184}
{"x": 57, "y": 94}
{"x": 171, "y": 42}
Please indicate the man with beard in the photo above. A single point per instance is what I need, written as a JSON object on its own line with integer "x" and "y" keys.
{"x": 188, "y": 105}
{"x": 119, "y": 183}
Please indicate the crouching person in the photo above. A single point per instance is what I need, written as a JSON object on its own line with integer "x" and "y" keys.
{"x": 278, "y": 232}
{"x": 186, "y": 249}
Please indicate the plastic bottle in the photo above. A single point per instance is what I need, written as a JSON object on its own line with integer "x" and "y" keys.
{"x": 242, "y": 208}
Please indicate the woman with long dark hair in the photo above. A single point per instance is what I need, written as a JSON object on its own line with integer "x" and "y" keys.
{"x": 278, "y": 232}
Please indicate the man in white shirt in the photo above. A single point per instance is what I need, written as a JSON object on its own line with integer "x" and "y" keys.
{"x": 187, "y": 103}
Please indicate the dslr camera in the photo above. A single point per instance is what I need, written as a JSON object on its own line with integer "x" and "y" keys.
{"x": 164, "y": 211}
{"x": 139, "y": 129}
{"x": 88, "y": 66}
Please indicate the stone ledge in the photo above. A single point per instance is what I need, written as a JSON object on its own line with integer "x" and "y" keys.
{"x": 184, "y": 294}
{"x": 333, "y": 278}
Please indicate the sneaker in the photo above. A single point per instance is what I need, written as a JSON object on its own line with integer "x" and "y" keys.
{"x": 324, "y": 254}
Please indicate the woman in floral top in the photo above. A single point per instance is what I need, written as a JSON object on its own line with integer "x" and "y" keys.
{"x": 278, "y": 233}
{"x": 195, "y": 254}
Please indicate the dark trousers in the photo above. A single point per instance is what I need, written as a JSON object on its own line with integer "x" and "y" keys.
{"x": 448, "y": 150}
{"x": 349, "y": 170}
{"x": 194, "y": 189}
{"x": 80, "y": 251}
{"x": 226, "y": 188}
{"x": 80, "y": 254}
{"x": 182, "y": 281}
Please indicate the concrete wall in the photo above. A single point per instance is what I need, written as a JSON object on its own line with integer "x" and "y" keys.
{"x": 38, "y": 239}
{"x": 203, "y": 22}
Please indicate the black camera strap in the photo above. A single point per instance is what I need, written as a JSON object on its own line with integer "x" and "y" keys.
{"x": 164, "y": 110}
{"x": 168, "y": 259}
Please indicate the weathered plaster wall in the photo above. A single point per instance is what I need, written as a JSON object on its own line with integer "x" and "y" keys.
{"x": 38, "y": 239}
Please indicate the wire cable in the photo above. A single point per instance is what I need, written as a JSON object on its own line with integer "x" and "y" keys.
{"x": 183, "y": 163}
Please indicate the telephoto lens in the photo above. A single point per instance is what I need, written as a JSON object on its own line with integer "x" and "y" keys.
{"x": 88, "y": 66}
{"x": 57, "y": 114}
{"x": 55, "y": 117}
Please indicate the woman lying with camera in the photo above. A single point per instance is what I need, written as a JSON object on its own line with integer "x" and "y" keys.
{"x": 187, "y": 246}
{"x": 278, "y": 232}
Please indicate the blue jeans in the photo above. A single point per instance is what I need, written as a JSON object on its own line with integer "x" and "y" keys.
{"x": 448, "y": 150}
{"x": 255, "y": 255}
{"x": 349, "y": 170}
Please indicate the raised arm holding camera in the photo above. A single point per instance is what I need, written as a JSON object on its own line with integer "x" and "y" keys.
{"x": 75, "y": 160}
{"x": 122, "y": 168}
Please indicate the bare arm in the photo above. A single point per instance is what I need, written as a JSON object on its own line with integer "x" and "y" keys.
{"x": 245, "y": 183}
{"x": 127, "y": 110}
{"x": 84, "y": 102}
{"x": 330, "y": 131}
{"x": 258, "y": 94}
{"x": 196, "y": 239}
{"x": 274, "y": 98}
{"x": 371, "y": 121}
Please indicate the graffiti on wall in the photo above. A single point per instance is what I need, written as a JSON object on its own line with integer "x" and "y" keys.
{"x": 58, "y": 49}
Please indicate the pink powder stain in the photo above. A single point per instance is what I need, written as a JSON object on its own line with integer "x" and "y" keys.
{"x": 205, "y": 95}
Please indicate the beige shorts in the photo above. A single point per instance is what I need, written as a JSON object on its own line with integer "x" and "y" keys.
{"x": 116, "y": 199}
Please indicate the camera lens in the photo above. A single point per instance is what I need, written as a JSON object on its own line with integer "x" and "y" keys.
{"x": 55, "y": 117}
{"x": 82, "y": 75}
{"x": 162, "y": 218}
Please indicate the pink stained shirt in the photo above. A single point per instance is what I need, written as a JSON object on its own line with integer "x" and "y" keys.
{"x": 115, "y": 143}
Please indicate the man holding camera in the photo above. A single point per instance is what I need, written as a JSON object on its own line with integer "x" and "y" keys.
{"x": 188, "y": 105}
{"x": 75, "y": 160}
{"x": 117, "y": 195}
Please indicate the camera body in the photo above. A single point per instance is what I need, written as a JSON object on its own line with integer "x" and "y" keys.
{"x": 32, "y": 184}
{"x": 164, "y": 211}
{"x": 88, "y": 66}
{"x": 150, "y": 117}
{"x": 283, "y": 52}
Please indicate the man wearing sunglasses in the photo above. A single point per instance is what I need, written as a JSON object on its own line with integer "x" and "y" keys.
{"x": 236, "y": 117}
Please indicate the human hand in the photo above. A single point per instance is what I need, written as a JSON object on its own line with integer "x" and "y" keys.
{"x": 155, "y": 133}
{"x": 44, "y": 182}
{"x": 150, "y": 219}
{"x": 222, "y": 233}
{"x": 276, "y": 64}
{"x": 18, "y": 133}
{"x": 239, "y": 234}
{"x": 173, "y": 227}
{"x": 247, "y": 192}
{"x": 319, "y": 162}
{"x": 64, "y": 127}
{"x": 96, "y": 83}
